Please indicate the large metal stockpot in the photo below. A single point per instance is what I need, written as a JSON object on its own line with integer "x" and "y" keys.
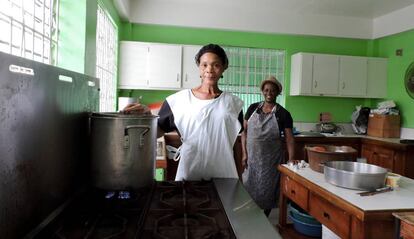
{"x": 355, "y": 175}
{"x": 123, "y": 150}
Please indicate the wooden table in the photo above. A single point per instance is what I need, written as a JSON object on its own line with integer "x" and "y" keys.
{"x": 342, "y": 210}
{"x": 404, "y": 225}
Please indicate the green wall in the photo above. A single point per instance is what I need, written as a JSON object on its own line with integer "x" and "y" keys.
{"x": 397, "y": 66}
{"x": 77, "y": 33}
{"x": 303, "y": 109}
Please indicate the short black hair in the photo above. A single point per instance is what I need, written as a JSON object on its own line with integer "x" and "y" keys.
{"x": 213, "y": 48}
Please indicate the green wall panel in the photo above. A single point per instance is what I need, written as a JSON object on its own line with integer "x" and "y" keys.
{"x": 72, "y": 35}
{"x": 304, "y": 109}
{"x": 397, "y": 66}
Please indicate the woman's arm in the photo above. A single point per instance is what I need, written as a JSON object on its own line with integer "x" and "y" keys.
{"x": 290, "y": 144}
{"x": 243, "y": 144}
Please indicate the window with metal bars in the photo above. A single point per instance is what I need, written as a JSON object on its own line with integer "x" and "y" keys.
{"x": 248, "y": 67}
{"x": 29, "y": 29}
{"x": 106, "y": 60}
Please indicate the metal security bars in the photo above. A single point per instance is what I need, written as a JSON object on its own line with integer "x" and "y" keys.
{"x": 29, "y": 29}
{"x": 248, "y": 67}
{"x": 106, "y": 60}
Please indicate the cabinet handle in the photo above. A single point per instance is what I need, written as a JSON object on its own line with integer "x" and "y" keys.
{"x": 326, "y": 215}
{"x": 293, "y": 191}
{"x": 315, "y": 84}
{"x": 343, "y": 85}
{"x": 186, "y": 77}
{"x": 178, "y": 76}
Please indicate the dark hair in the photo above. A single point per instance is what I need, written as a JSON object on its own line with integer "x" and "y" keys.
{"x": 213, "y": 48}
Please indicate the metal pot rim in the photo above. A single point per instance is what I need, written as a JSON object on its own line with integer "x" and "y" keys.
{"x": 117, "y": 115}
{"x": 326, "y": 165}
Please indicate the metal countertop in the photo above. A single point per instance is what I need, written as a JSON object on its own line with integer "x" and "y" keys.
{"x": 246, "y": 218}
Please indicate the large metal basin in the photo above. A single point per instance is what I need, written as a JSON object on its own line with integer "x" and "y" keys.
{"x": 354, "y": 175}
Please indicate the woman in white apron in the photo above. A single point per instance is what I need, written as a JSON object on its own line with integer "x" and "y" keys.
{"x": 207, "y": 119}
{"x": 262, "y": 145}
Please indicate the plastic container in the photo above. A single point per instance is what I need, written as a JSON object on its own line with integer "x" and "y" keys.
{"x": 302, "y": 216}
{"x": 306, "y": 228}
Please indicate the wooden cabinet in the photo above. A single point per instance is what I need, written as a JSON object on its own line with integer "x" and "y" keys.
{"x": 296, "y": 192}
{"x": 339, "y": 76}
{"x": 331, "y": 216}
{"x": 157, "y": 66}
{"x": 396, "y": 157}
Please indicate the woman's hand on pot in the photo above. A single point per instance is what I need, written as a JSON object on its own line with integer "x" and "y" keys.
{"x": 136, "y": 108}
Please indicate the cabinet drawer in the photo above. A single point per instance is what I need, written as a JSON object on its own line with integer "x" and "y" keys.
{"x": 331, "y": 216}
{"x": 406, "y": 230}
{"x": 295, "y": 191}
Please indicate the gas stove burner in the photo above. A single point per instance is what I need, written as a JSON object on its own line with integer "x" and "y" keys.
{"x": 119, "y": 195}
{"x": 188, "y": 226}
{"x": 124, "y": 195}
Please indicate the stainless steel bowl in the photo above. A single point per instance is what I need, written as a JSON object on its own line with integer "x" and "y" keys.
{"x": 355, "y": 175}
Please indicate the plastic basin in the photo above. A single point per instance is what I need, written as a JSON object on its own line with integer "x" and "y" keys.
{"x": 306, "y": 228}
{"x": 302, "y": 216}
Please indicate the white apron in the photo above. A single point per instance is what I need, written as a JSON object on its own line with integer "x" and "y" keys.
{"x": 208, "y": 129}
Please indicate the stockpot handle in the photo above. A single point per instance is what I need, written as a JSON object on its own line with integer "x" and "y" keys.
{"x": 141, "y": 137}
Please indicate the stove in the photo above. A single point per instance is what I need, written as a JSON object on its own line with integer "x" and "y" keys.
{"x": 179, "y": 209}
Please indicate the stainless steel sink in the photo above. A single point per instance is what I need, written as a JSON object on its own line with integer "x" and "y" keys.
{"x": 310, "y": 134}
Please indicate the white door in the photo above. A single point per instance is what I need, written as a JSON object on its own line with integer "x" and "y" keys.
{"x": 353, "y": 76}
{"x": 133, "y": 65}
{"x": 325, "y": 75}
{"x": 191, "y": 73}
{"x": 377, "y": 78}
{"x": 164, "y": 66}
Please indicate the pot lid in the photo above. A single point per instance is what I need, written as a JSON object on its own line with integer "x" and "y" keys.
{"x": 122, "y": 115}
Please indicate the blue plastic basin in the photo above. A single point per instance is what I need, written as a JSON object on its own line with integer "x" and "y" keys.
{"x": 302, "y": 216}
{"x": 307, "y": 229}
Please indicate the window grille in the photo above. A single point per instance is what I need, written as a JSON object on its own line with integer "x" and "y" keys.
{"x": 106, "y": 60}
{"x": 248, "y": 67}
{"x": 29, "y": 29}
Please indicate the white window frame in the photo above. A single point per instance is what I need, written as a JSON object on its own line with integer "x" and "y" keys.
{"x": 106, "y": 59}
{"x": 248, "y": 67}
{"x": 29, "y": 28}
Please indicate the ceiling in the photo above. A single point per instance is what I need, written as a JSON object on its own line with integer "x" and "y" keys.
{"x": 365, "y": 19}
{"x": 346, "y": 8}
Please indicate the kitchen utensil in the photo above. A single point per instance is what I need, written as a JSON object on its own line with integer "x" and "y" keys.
{"x": 376, "y": 191}
{"x": 392, "y": 180}
{"x": 123, "y": 150}
{"x": 319, "y": 154}
{"x": 354, "y": 175}
{"x": 327, "y": 127}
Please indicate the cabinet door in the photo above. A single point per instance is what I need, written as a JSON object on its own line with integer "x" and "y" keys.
{"x": 377, "y": 78}
{"x": 353, "y": 76}
{"x": 380, "y": 156}
{"x": 164, "y": 66}
{"x": 301, "y": 74}
{"x": 191, "y": 73}
{"x": 325, "y": 75}
{"x": 133, "y": 65}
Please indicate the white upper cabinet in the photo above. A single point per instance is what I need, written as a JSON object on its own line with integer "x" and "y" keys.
{"x": 164, "y": 66}
{"x": 353, "y": 76}
{"x": 325, "y": 75}
{"x": 158, "y": 66}
{"x": 133, "y": 65}
{"x": 301, "y": 74}
{"x": 191, "y": 73}
{"x": 339, "y": 76}
{"x": 377, "y": 77}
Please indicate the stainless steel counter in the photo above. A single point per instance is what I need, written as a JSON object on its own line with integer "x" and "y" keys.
{"x": 246, "y": 218}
